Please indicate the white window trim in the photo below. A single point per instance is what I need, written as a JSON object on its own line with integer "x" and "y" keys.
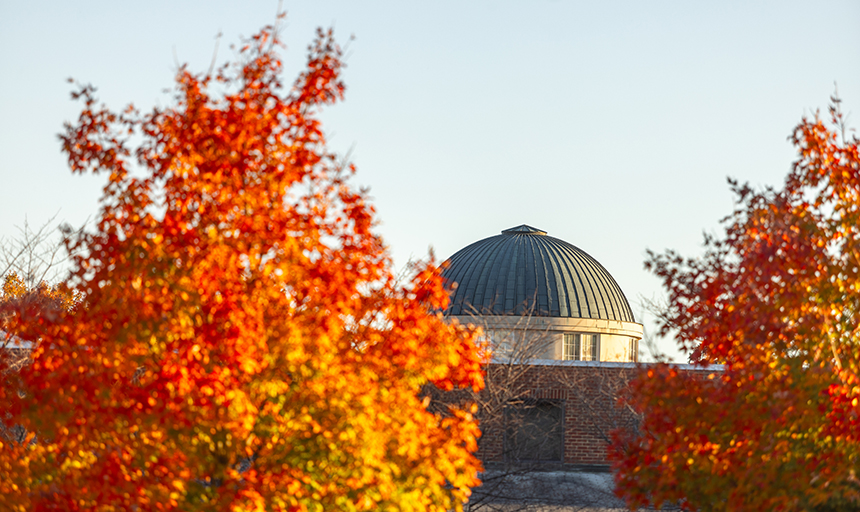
{"x": 573, "y": 342}
{"x": 633, "y": 346}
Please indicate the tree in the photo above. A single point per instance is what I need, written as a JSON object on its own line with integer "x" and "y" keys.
{"x": 776, "y": 301}
{"x": 34, "y": 257}
{"x": 30, "y": 269}
{"x": 42, "y": 300}
{"x": 240, "y": 342}
{"x": 27, "y": 265}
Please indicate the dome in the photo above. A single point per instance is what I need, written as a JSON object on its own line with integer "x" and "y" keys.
{"x": 523, "y": 271}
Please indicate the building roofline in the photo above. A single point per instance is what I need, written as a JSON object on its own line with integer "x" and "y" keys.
{"x": 604, "y": 364}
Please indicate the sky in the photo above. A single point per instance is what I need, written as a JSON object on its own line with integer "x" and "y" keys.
{"x": 611, "y": 125}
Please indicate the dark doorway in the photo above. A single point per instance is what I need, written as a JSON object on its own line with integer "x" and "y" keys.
{"x": 534, "y": 432}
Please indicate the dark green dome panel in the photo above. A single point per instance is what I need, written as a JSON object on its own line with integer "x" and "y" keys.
{"x": 523, "y": 271}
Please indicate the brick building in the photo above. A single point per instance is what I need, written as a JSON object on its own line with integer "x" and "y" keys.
{"x": 565, "y": 342}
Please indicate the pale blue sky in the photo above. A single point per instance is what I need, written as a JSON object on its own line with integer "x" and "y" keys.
{"x": 611, "y": 125}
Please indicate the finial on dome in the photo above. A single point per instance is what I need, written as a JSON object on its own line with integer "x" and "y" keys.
{"x": 523, "y": 229}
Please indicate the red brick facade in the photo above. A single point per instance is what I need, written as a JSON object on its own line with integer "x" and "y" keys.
{"x": 585, "y": 392}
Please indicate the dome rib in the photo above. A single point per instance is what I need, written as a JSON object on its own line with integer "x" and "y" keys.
{"x": 596, "y": 304}
{"x": 488, "y": 278}
{"x": 466, "y": 279}
{"x": 549, "y": 294}
{"x": 523, "y": 271}
{"x": 564, "y": 305}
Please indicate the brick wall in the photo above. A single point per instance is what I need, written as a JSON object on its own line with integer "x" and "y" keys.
{"x": 587, "y": 392}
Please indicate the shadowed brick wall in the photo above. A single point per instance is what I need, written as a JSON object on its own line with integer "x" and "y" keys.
{"x": 587, "y": 393}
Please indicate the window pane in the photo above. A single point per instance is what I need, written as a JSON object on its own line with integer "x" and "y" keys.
{"x": 586, "y": 347}
{"x": 571, "y": 347}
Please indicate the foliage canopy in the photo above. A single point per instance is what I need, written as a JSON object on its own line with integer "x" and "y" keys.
{"x": 777, "y": 301}
{"x": 241, "y": 341}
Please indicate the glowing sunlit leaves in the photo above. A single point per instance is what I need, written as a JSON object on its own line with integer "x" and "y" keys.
{"x": 775, "y": 302}
{"x": 242, "y": 342}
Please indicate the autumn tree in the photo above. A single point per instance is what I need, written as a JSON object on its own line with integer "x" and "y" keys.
{"x": 36, "y": 255}
{"x": 240, "y": 342}
{"x": 29, "y": 268}
{"x": 31, "y": 265}
{"x": 776, "y": 299}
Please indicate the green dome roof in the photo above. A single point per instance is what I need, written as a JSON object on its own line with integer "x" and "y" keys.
{"x": 523, "y": 271}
